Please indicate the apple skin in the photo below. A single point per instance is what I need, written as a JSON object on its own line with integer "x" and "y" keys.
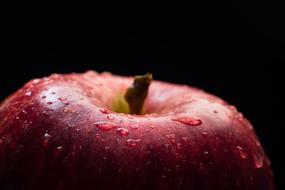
{"x": 59, "y": 133}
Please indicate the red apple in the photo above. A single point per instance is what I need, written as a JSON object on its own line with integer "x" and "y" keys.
{"x": 64, "y": 132}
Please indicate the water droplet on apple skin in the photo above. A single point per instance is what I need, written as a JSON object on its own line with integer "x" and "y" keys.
{"x": 62, "y": 99}
{"x": 109, "y": 117}
{"x": 134, "y": 126}
{"x": 104, "y": 111}
{"x": 204, "y": 133}
{"x": 166, "y": 146}
{"x": 258, "y": 160}
{"x": 179, "y": 146}
{"x": 133, "y": 142}
{"x": 29, "y": 93}
{"x": 187, "y": 120}
{"x": 123, "y": 131}
{"x": 241, "y": 152}
{"x": 59, "y": 148}
{"x": 105, "y": 126}
{"x": 47, "y": 136}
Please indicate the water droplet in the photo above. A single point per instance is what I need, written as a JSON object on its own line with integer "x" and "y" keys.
{"x": 118, "y": 141}
{"x": 170, "y": 136}
{"x": 59, "y": 148}
{"x": 134, "y": 126}
{"x": 53, "y": 93}
{"x": 215, "y": 111}
{"x": 130, "y": 116}
{"x": 257, "y": 143}
{"x": 185, "y": 139}
{"x": 204, "y": 133}
{"x": 110, "y": 117}
{"x": 43, "y": 97}
{"x": 258, "y": 160}
{"x": 17, "y": 118}
{"x": 187, "y": 120}
{"x": 62, "y": 98}
{"x": 241, "y": 152}
{"x": 148, "y": 163}
{"x": 206, "y": 152}
{"x": 230, "y": 133}
{"x": 163, "y": 176}
{"x": 177, "y": 167}
{"x": 105, "y": 126}
{"x": 133, "y": 142}
{"x": 201, "y": 166}
{"x": 28, "y": 93}
{"x": 49, "y": 103}
{"x": 123, "y": 131}
{"x": 178, "y": 145}
{"x": 35, "y": 81}
{"x": 107, "y": 148}
{"x": 65, "y": 110}
{"x": 104, "y": 111}
{"x": 166, "y": 146}
{"x": 47, "y": 136}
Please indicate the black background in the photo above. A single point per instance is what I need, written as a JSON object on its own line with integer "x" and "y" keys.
{"x": 234, "y": 52}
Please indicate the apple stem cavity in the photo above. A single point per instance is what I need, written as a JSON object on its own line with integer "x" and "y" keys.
{"x": 137, "y": 93}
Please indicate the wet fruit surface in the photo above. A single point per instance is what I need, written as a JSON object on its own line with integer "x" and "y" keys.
{"x": 60, "y": 133}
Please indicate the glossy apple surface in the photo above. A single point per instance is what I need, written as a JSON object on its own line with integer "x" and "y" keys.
{"x": 60, "y": 133}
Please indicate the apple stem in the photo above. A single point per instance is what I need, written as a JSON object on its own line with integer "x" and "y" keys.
{"x": 137, "y": 93}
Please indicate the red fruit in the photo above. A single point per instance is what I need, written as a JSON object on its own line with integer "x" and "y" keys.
{"x": 61, "y": 132}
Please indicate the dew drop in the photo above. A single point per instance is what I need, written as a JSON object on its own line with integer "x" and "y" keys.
{"x": 62, "y": 98}
{"x": 28, "y": 93}
{"x": 110, "y": 117}
{"x": 104, "y": 111}
{"x": 204, "y": 133}
{"x": 17, "y": 118}
{"x": 134, "y": 126}
{"x": 118, "y": 141}
{"x": 105, "y": 126}
{"x": 123, "y": 131}
{"x": 241, "y": 152}
{"x": 178, "y": 145}
{"x": 187, "y": 120}
{"x": 47, "y": 136}
{"x": 148, "y": 163}
{"x": 166, "y": 146}
{"x": 43, "y": 97}
{"x": 258, "y": 160}
{"x": 130, "y": 116}
{"x": 215, "y": 111}
{"x": 59, "y": 148}
{"x": 107, "y": 148}
{"x": 133, "y": 142}
{"x": 185, "y": 139}
{"x": 170, "y": 136}
{"x": 49, "y": 103}
{"x": 35, "y": 81}
{"x": 53, "y": 93}
{"x": 206, "y": 152}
